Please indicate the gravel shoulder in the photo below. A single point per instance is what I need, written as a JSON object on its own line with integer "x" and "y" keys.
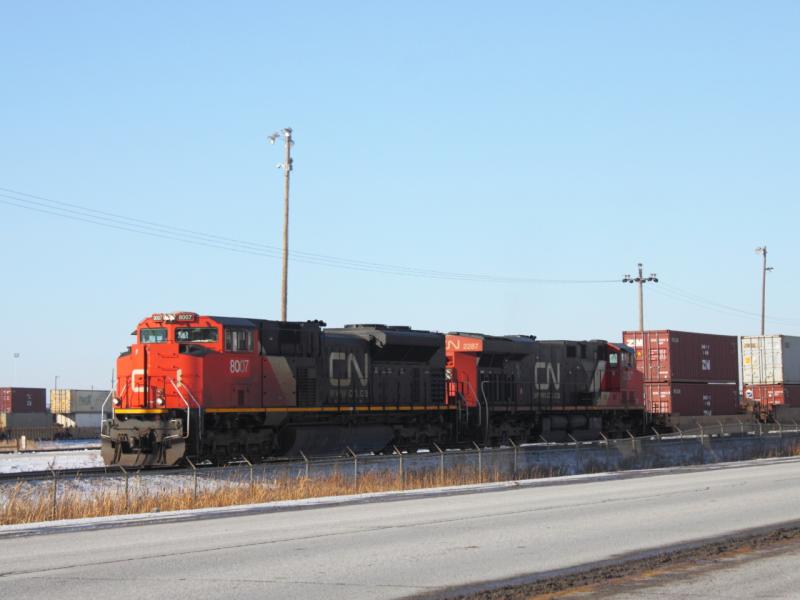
{"x": 664, "y": 573}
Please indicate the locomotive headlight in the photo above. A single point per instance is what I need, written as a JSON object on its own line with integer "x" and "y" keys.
{"x": 115, "y": 401}
{"x": 159, "y": 401}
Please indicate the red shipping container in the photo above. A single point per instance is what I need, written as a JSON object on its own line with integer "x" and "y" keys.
{"x": 692, "y": 399}
{"x": 21, "y": 400}
{"x": 666, "y": 355}
{"x": 770, "y": 394}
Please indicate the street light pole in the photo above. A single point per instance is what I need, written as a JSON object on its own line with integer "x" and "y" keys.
{"x": 286, "y": 133}
{"x": 640, "y": 280}
{"x": 762, "y": 250}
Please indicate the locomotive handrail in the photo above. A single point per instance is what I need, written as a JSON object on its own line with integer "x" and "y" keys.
{"x": 199, "y": 410}
{"x": 188, "y": 411}
{"x": 486, "y": 404}
{"x": 477, "y": 401}
{"x": 103, "y": 411}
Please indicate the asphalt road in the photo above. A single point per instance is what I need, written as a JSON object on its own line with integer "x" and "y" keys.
{"x": 400, "y": 548}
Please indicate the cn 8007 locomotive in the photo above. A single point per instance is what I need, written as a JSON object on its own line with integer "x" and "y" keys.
{"x": 217, "y": 388}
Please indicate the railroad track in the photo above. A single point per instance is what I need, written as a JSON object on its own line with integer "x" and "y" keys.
{"x": 88, "y": 472}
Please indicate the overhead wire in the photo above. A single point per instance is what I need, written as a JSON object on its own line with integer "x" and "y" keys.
{"x": 718, "y": 308}
{"x": 111, "y": 220}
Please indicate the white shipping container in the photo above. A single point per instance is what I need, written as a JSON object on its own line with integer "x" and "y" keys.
{"x": 65, "y": 421}
{"x": 80, "y": 420}
{"x": 87, "y": 420}
{"x": 770, "y": 359}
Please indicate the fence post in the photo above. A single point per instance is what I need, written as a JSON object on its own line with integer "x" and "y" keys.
{"x": 55, "y": 493}
{"x": 741, "y": 426}
{"x": 701, "y": 433}
{"x": 577, "y": 453}
{"x": 480, "y": 463}
{"x": 658, "y": 435}
{"x": 441, "y": 463}
{"x": 305, "y": 459}
{"x": 252, "y": 483}
{"x": 127, "y": 495}
{"x": 355, "y": 468}
{"x": 721, "y": 428}
{"x": 514, "y": 474}
{"x": 605, "y": 443}
{"x": 194, "y": 482}
{"x": 402, "y": 473}
{"x": 633, "y": 440}
{"x": 780, "y": 428}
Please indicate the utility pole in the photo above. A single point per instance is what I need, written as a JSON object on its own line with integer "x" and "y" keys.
{"x": 286, "y": 133}
{"x": 641, "y": 280}
{"x": 762, "y": 250}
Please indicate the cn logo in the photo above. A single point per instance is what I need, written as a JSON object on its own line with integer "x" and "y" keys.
{"x": 351, "y": 366}
{"x": 546, "y": 377}
{"x": 137, "y": 381}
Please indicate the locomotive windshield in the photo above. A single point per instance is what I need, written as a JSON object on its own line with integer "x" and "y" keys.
{"x": 196, "y": 334}
{"x": 153, "y": 335}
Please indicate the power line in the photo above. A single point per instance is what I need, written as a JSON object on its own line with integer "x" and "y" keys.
{"x": 709, "y": 305}
{"x": 116, "y": 221}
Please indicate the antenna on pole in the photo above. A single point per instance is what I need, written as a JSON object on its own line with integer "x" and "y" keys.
{"x": 286, "y": 134}
{"x": 640, "y": 280}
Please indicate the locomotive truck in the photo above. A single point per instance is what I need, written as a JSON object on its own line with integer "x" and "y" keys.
{"x": 217, "y": 388}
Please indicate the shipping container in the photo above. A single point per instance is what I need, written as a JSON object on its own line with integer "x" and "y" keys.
{"x": 21, "y": 400}
{"x": 79, "y": 420}
{"x": 666, "y": 355}
{"x": 691, "y": 399}
{"x": 768, "y": 395}
{"x": 768, "y": 359}
{"x": 64, "y": 401}
{"x": 28, "y": 420}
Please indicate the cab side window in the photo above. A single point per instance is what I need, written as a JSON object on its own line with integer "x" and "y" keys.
{"x": 238, "y": 339}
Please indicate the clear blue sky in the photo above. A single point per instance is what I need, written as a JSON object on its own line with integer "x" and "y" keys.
{"x": 561, "y": 140}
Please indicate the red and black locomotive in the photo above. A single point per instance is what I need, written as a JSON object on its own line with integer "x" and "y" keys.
{"x": 217, "y": 388}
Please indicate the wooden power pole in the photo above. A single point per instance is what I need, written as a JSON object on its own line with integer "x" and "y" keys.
{"x": 762, "y": 250}
{"x": 287, "y": 169}
{"x": 640, "y": 280}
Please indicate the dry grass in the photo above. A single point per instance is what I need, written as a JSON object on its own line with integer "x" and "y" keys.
{"x": 30, "y": 503}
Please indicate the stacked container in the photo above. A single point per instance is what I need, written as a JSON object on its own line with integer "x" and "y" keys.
{"x": 77, "y": 408}
{"x": 23, "y": 407}
{"x": 687, "y": 374}
{"x": 22, "y": 400}
{"x": 771, "y": 370}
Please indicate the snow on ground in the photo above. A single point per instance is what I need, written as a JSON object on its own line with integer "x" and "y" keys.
{"x": 42, "y": 445}
{"x": 22, "y": 462}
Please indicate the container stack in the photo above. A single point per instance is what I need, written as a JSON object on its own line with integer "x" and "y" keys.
{"x": 23, "y": 408}
{"x": 771, "y": 371}
{"x": 687, "y": 374}
{"x": 77, "y": 409}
